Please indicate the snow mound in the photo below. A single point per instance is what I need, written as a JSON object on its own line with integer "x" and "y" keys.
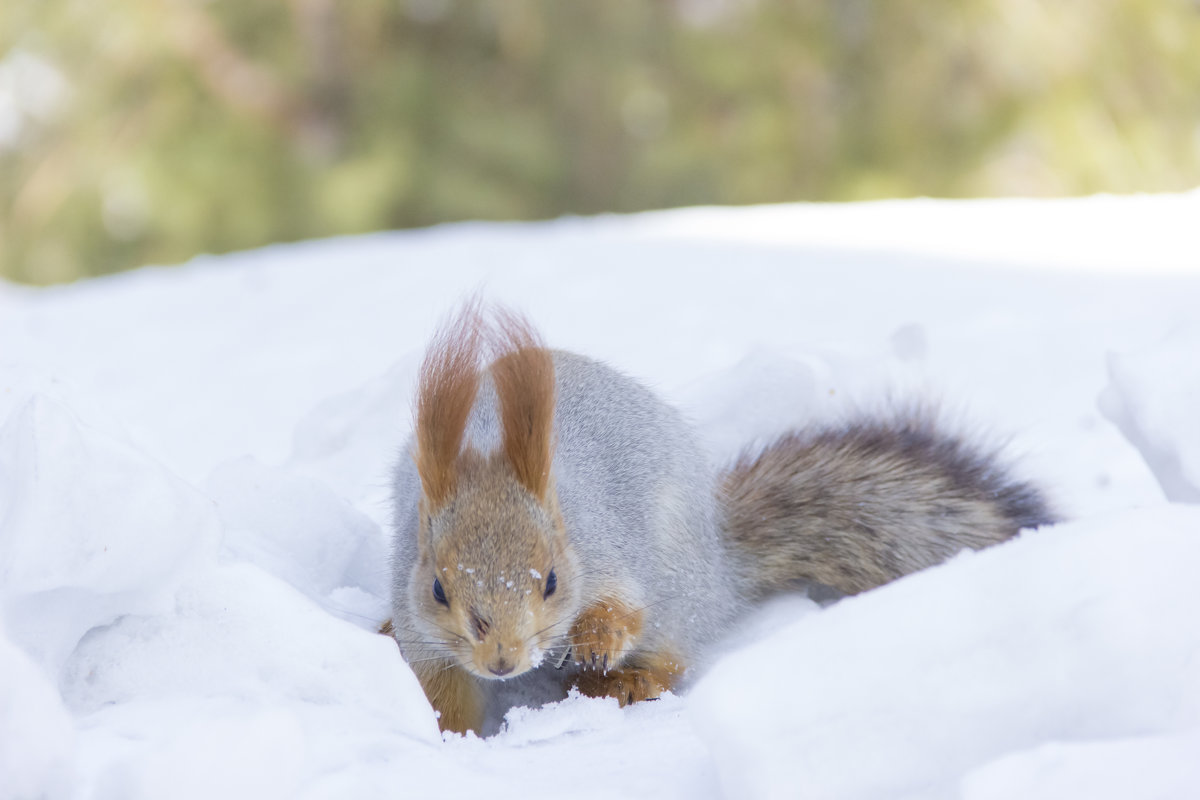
{"x": 90, "y": 529}
{"x": 241, "y": 651}
{"x": 299, "y": 530}
{"x": 909, "y": 690}
{"x": 1152, "y": 397}
{"x": 37, "y": 735}
{"x": 1146, "y": 767}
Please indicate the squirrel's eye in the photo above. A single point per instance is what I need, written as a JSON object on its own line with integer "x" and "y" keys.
{"x": 551, "y": 584}
{"x": 439, "y": 593}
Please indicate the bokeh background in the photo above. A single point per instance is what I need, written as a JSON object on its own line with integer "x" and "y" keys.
{"x": 147, "y": 131}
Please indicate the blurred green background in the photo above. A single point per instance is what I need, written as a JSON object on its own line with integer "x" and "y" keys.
{"x": 146, "y": 131}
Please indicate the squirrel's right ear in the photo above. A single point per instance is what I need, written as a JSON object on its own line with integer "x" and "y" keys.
{"x": 449, "y": 381}
{"x": 524, "y": 376}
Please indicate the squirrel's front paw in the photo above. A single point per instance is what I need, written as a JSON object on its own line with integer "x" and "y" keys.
{"x": 603, "y": 634}
{"x": 652, "y": 676}
{"x": 627, "y": 685}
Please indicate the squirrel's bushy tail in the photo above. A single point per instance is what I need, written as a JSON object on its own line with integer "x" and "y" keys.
{"x": 857, "y": 506}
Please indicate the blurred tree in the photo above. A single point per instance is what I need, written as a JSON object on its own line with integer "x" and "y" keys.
{"x": 145, "y": 131}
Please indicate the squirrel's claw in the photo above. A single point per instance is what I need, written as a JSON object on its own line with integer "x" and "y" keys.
{"x": 627, "y": 685}
{"x": 603, "y": 634}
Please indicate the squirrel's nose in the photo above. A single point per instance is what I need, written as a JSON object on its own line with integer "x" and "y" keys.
{"x": 500, "y": 668}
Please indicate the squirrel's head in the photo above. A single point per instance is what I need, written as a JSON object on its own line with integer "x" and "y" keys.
{"x": 496, "y": 577}
{"x": 494, "y": 584}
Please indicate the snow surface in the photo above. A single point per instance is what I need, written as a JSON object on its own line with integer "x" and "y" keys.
{"x": 193, "y": 507}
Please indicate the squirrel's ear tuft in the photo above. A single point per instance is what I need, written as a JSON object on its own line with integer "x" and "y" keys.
{"x": 448, "y": 384}
{"x": 524, "y": 376}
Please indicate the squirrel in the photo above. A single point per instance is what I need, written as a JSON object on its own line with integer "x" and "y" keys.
{"x": 557, "y": 519}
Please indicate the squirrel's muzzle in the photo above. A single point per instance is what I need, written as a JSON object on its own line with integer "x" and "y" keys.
{"x": 499, "y": 660}
{"x": 500, "y": 668}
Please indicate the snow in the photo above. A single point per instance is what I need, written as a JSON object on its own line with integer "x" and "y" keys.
{"x": 1151, "y": 397}
{"x": 194, "y": 507}
{"x": 929, "y": 679}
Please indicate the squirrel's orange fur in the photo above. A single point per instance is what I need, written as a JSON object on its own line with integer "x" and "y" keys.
{"x": 605, "y": 630}
{"x": 454, "y": 695}
{"x": 448, "y": 385}
{"x": 602, "y": 635}
{"x": 524, "y": 377}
